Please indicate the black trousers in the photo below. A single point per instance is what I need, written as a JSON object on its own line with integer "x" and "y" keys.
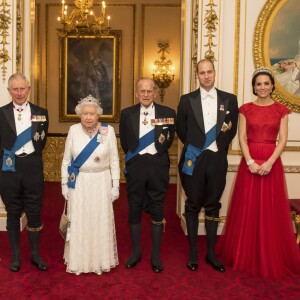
{"x": 205, "y": 187}
{"x": 147, "y": 183}
{"x": 21, "y": 191}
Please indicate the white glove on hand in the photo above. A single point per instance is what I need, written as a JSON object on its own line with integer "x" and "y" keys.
{"x": 65, "y": 191}
{"x": 114, "y": 193}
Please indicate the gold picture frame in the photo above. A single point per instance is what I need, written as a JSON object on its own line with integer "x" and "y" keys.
{"x": 90, "y": 65}
{"x": 261, "y": 50}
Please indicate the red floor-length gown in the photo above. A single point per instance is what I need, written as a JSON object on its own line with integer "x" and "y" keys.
{"x": 258, "y": 237}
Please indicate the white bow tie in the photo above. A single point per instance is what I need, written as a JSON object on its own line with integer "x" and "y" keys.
{"x": 205, "y": 94}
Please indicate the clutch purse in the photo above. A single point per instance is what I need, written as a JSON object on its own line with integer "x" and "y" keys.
{"x": 64, "y": 223}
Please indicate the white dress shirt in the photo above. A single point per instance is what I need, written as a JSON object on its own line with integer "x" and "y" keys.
{"x": 146, "y": 114}
{"x": 23, "y": 121}
{"x": 210, "y": 108}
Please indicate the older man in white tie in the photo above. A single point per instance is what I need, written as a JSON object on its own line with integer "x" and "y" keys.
{"x": 206, "y": 124}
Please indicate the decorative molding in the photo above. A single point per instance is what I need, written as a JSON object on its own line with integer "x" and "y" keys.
{"x": 236, "y": 62}
{"x": 287, "y": 169}
{"x": 237, "y": 46}
{"x": 195, "y": 29}
{"x": 5, "y": 21}
{"x": 19, "y": 37}
{"x": 210, "y": 21}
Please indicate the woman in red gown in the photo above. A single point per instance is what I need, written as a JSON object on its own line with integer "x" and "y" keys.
{"x": 258, "y": 237}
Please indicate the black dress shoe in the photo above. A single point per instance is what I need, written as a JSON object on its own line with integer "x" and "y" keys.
{"x": 40, "y": 264}
{"x": 219, "y": 268}
{"x": 192, "y": 266}
{"x": 130, "y": 265}
{"x": 157, "y": 268}
{"x": 14, "y": 266}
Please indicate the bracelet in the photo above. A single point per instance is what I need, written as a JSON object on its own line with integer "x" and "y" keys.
{"x": 250, "y": 162}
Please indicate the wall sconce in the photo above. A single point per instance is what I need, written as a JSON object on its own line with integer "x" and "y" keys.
{"x": 163, "y": 71}
{"x": 82, "y": 20}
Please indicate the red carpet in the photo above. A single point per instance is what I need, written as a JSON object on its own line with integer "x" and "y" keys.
{"x": 175, "y": 282}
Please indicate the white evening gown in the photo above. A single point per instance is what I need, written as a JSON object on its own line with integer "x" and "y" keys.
{"x": 92, "y": 245}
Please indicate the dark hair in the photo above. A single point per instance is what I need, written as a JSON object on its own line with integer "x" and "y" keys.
{"x": 203, "y": 60}
{"x": 262, "y": 73}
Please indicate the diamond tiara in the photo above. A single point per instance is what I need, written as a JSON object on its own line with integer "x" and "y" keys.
{"x": 89, "y": 99}
{"x": 262, "y": 70}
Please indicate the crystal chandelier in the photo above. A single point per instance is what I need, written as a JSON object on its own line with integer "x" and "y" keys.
{"x": 83, "y": 20}
{"x": 163, "y": 71}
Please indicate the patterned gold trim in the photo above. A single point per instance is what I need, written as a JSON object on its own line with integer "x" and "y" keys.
{"x": 210, "y": 21}
{"x": 19, "y": 37}
{"x": 216, "y": 219}
{"x": 5, "y": 21}
{"x": 31, "y": 229}
{"x": 222, "y": 219}
{"x": 287, "y": 169}
{"x": 195, "y": 29}
{"x": 261, "y": 51}
{"x": 163, "y": 222}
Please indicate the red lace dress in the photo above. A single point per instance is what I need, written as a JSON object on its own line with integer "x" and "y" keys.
{"x": 258, "y": 237}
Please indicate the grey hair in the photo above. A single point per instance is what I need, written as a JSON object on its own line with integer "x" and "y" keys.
{"x": 88, "y": 101}
{"x": 145, "y": 78}
{"x": 17, "y": 76}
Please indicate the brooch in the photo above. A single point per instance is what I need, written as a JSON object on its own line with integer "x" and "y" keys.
{"x": 72, "y": 177}
{"x": 8, "y": 162}
{"x": 226, "y": 127}
{"x": 36, "y": 136}
{"x": 161, "y": 138}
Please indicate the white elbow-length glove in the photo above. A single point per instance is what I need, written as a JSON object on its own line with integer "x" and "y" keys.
{"x": 115, "y": 193}
{"x": 65, "y": 191}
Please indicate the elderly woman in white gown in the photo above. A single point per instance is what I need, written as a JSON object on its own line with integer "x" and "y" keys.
{"x": 90, "y": 182}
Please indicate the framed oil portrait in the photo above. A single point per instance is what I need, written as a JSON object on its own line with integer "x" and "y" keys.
{"x": 90, "y": 65}
{"x": 276, "y": 45}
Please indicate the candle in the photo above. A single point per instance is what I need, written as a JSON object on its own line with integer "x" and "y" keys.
{"x": 108, "y": 19}
{"x": 62, "y": 8}
{"x": 103, "y": 8}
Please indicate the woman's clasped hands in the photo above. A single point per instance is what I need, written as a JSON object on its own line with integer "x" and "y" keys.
{"x": 263, "y": 169}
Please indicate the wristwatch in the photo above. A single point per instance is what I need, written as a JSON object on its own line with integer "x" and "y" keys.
{"x": 250, "y": 162}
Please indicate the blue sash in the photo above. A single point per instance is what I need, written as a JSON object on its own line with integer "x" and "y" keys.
{"x": 144, "y": 142}
{"x": 193, "y": 152}
{"x": 8, "y": 163}
{"x": 76, "y": 164}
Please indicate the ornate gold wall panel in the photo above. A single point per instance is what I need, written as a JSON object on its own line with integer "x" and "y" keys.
{"x": 261, "y": 47}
